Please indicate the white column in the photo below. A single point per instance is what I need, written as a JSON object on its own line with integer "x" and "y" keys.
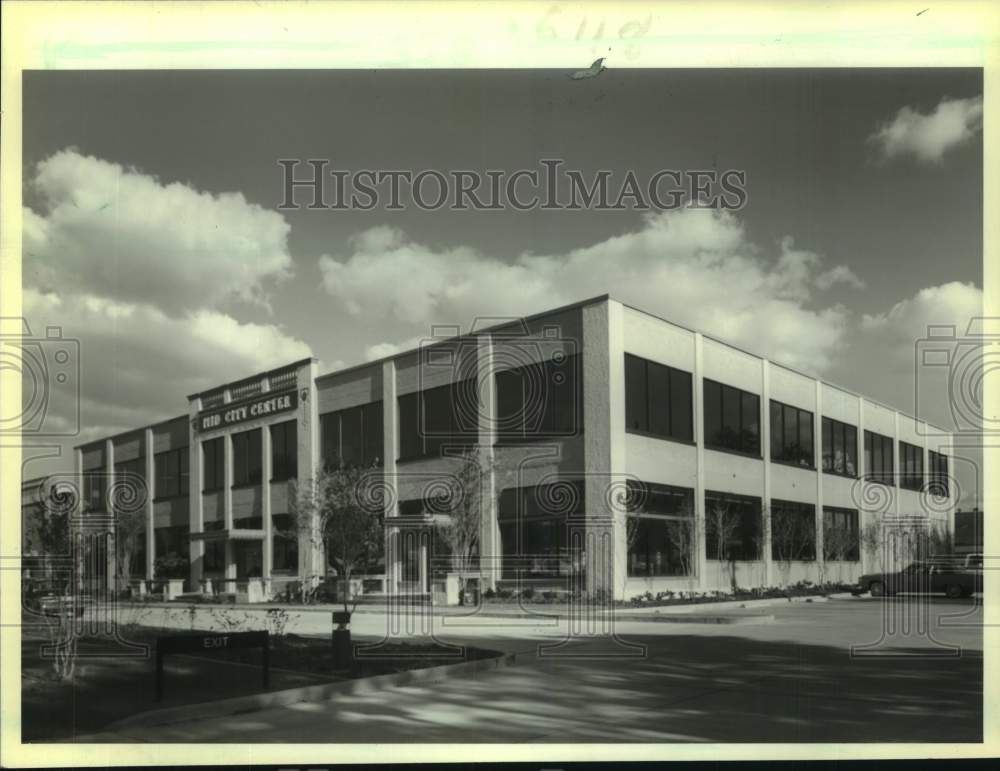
{"x": 267, "y": 557}
{"x": 109, "y": 483}
{"x": 150, "y": 472}
{"x": 818, "y": 462}
{"x": 765, "y": 440}
{"x": 864, "y": 517}
{"x": 895, "y": 462}
{"x": 196, "y": 552}
{"x": 390, "y": 451}
{"x": 227, "y": 506}
{"x": 490, "y": 548}
{"x": 308, "y": 460}
{"x": 603, "y": 440}
{"x": 701, "y": 558}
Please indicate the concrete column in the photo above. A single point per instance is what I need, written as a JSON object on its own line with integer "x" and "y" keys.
{"x": 818, "y": 462}
{"x": 150, "y": 495}
{"x": 697, "y": 398}
{"x": 765, "y": 441}
{"x": 109, "y": 483}
{"x": 390, "y": 451}
{"x": 490, "y": 548}
{"x": 864, "y": 517}
{"x": 267, "y": 557}
{"x": 227, "y": 505}
{"x": 196, "y": 552}
{"x": 311, "y": 560}
{"x": 895, "y": 462}
{"x": 604, "y": 444}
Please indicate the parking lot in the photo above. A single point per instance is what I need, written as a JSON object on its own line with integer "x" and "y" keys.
{"x": 799, "y": 678}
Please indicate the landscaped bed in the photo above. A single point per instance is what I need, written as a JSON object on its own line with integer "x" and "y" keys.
{"x": 114, "y": 681}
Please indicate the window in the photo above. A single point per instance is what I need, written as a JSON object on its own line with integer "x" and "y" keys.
{"x": 732, "y": 527}
{"x": 133, "y": 474}
{"x": 94, "y": 483}
{"x": 353, "y": 437}
{"x": 171, "y": 540}
{"x": 840, "y": 448}
{"x": 284, "y": 451}
{"x": 540, "y": 401}
{"x": 792, "y": 435}
{"x": 841, "y": 542}
{"x": 657, "y": 399}
{"x": 878, "y": 459}
{"x": 793, "y": 531}
{"x": 533, "y": 530}
{"x": 246, "y": 458}
{"x": 213, "y": 465}
{"x": 937, "y": 482}
{"x": 248, "y": 523}
{"x": 170, "y": 469}
{"x": 284, "y": 544}
{"x": 911, "y": 466}
{"x": 437, "y": 417}
{"x": 732, "y": 419}
{"x": 215, "y": 556}
{"x": 660, "y": 530}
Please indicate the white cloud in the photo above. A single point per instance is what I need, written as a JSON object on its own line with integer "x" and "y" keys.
{"x": 138, "y": 364}
{"x": 681, "y": 264}
{"x": 928, "y": 137}
{"x": 117, "y": 232}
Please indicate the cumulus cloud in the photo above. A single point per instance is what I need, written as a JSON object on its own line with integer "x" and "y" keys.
{"x": 681, "y": 264}
{"x": 927, "y": 137}
{"x": 120, "y": 233}
{"x": 138, "y": 364}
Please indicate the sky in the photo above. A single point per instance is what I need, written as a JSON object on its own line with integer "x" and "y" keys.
{"x": 152, "y": 231}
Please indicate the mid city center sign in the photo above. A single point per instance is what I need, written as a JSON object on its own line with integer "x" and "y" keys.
{"x": 232, "y": 414}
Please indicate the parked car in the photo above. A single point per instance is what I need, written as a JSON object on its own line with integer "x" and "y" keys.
{"x": 958, "y": 576}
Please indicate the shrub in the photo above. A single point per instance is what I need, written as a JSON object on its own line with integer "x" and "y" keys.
{"x": 172, "y": 565}
{"x": 489, "y": 594}
{"x": 528, "y": 593}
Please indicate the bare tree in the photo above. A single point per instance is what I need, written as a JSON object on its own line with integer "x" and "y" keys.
{"x": 130, "y": 531}
{"x": 793, "y": 537}
{"x": 340, "y": 514}
{"x": 462, "y": 501}
{"x": 722, "y": 525}
{"x": 682, "y": 534}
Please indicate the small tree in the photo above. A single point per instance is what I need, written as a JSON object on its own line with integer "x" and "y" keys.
{"x": 871, "y": 537}
{"x": 340, "y": 514}
{"x": 793, "y": 537}
{"x": 130, "y": 529}
{"x": 682, "y": 534}
{"x": 463, "y": 501}
{"x": 723, "y": 525}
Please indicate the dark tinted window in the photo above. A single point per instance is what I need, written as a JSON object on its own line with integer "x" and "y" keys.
{"x": 878, "y": 458}
{"x": 911, "y": 462}
{"x": 791, "y": 435}
{"x": 657, "y": 399}
{"x": 213, "y": 467}
{"x": 284, "y": 451}
{"x": 841, "y": 541}
{"x": 353, "y": 437}
{"x": 733, "y": 527}
{"x": 438, "y": 418}
{"x": 247, "y": 457}
{"x": 732, "y": 419}
{"x": 793, "y": 531}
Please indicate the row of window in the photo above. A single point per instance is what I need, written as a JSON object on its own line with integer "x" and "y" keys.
{"x": 247, "y": 457}
{"x": 658, "y": 402}
{"x": 660, "y": 530}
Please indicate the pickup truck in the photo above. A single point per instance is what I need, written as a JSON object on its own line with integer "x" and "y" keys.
{"x": 954, "y": 576}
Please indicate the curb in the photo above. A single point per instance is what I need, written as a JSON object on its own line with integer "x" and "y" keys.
{"x": 682, "y": 618}
{"x": 260, "y": 701}
{"x": 727, "y": 605}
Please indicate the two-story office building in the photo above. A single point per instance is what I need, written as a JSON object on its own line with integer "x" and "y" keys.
{"x": 697, "y": 463}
